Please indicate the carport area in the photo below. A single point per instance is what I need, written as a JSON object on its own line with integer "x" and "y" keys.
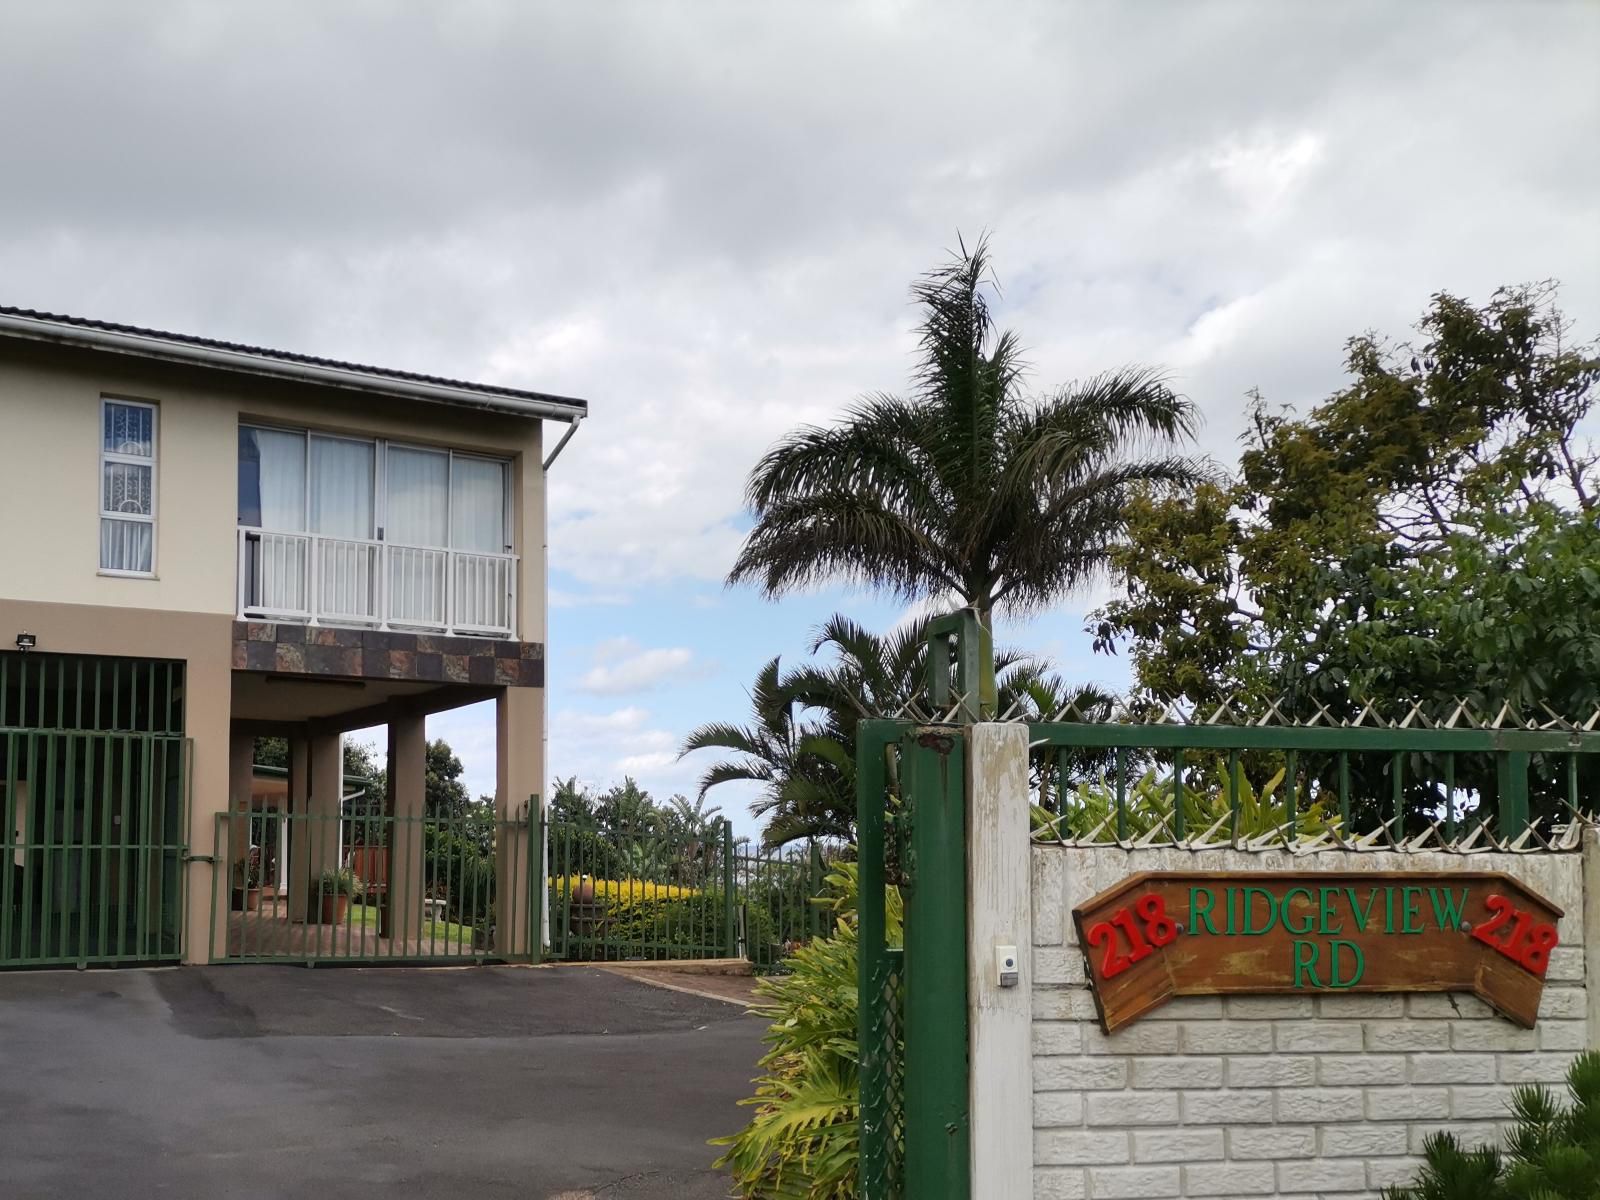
{"x": 258, "y": 1082}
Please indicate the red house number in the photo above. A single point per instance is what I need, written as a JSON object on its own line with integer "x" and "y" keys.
{"x": 1152, "y": 930}
{"x": 1529, "y": 942}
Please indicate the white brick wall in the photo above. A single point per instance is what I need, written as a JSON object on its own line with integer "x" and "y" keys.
{"x": 1276, "y": 1096}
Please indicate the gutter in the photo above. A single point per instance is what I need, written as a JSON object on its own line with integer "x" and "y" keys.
{"x": 562, "y": 444}
{"x": 561, "y": 408}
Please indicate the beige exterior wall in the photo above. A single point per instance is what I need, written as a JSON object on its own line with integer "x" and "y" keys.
{"x": 204, "y": 642}
{"x": 50, "y": 473}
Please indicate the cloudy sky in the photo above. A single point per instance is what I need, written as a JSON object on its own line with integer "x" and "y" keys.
{"x": 704, "y": 217}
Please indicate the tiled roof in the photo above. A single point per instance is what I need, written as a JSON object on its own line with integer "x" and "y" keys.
{"x": 284, "y": 356}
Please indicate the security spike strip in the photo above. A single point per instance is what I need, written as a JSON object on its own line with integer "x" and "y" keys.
{"x": 1369, "y": 709}
{"x": 1216, "y": 826}
{"x": 1272, "y": 716}
{"x": 1557, "y": 721}
{"x": 1418, "y": 842}
{"x": 1521, "y": 839}
{"x": 1150, "y": 836}
{"x": 1469, "y": 844}
{"x": 1271, "y": 837}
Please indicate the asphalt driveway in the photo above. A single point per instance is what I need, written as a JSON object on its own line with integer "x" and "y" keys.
{"x": 260, "y": 1083}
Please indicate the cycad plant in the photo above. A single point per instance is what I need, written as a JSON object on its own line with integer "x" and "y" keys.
{"x": 1552, "y": 1152}
{"x": 1150, "y": 802}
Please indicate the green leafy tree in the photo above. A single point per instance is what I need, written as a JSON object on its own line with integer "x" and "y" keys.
{"x": 967, "y": 486}
{"x": 571, "y": 803}
{"x": 445, "y": 795}
{"x": 1424, "y": 535}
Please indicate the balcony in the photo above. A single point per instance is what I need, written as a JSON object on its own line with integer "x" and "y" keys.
{"x": 320, "y": 580}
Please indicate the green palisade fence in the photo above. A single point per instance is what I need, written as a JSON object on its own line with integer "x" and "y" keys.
{"x": 366, "y": 887}
{"x": 1516, "y": 785}
{"x": 651, "y": 895}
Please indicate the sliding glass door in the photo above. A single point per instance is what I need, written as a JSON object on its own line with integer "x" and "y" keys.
{"x": 369, "y": 532}
{"x": 417, "y": 526}
{"x": 443, "y": 511}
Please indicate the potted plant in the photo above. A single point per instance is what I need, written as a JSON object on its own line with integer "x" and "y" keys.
{"x": 330, "y": 898}
{"x": 247, "y": 884}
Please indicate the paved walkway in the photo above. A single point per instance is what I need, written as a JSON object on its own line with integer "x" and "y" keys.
{"x": 261, "y": 1083}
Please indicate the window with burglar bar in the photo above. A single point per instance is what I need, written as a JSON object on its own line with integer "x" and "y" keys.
{"x": 127, "y": 487}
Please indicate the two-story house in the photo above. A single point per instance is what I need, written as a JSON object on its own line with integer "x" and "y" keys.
{"x": 204, "y": 543}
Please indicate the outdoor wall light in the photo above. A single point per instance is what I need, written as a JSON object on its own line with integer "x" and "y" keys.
{"x": 26, "y": 642}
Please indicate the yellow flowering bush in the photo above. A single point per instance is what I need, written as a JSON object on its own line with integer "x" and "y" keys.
{"x": 620, "y": 893}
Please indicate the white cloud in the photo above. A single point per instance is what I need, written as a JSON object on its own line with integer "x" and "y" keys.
{"x": 561, "y": 598}
{"x": 642, "y": 205}
{"x": 637, "y": 672}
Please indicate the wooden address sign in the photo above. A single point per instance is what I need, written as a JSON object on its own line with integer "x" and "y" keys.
{"x": 1161, "y": 934}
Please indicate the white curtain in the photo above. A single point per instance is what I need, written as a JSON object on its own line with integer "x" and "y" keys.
{"x": 126, "y": 545}
{"x": 341, "y": 487}
{"x": 416, "y": 514}
{"x": 417, "y": 491}
{"x": 272, "y": 479}
{"x": 478, "y": 506}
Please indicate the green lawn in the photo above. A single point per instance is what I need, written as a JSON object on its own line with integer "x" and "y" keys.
{"x": 444, "y": 934}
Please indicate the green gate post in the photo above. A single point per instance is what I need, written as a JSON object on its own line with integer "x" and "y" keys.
{"x": 538, "y": 883}
{"x": 730, "y": 935}
{"x": 1513, "y": 780}
{"x": 937, "y": 1119}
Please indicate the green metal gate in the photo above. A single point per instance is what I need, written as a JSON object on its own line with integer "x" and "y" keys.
{"x": 915, "y": 1123}
{"x": 911, "y": 825}
{"x": 94, "y": 779}
{"x": 361, "y": 886}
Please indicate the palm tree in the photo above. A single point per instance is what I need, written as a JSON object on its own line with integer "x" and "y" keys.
{"x": 807, "y": 767}
{"x": 967, "y": 486}
{"x": 804, "y": 791}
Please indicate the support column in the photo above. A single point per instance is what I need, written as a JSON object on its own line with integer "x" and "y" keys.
{"x": 241, "y": 779}
{"x": 301, "y": 876}
{"x": 999, "y": 923}
{"x": 210, "y": 785}
{"x": 326, "y": 792}
{"x": 519, "y": 850}
{"x": 408, "y": 762}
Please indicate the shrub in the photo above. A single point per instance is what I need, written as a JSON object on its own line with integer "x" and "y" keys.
{"x": 803, "y": 1142}
{"x": 1552, "y": 1153}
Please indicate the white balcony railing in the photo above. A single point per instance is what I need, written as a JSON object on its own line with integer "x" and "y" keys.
{"x": 307, "y": 577}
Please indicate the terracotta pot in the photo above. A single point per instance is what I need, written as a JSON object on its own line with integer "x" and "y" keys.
{"x": 584, "y": 892}
{"x": 334, "y": 909}
{"x": 252, "y": 900}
